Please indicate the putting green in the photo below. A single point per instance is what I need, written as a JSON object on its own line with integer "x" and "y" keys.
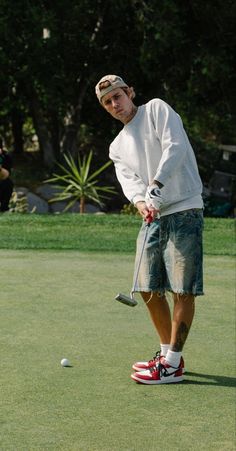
{"x": 57, "y": 304}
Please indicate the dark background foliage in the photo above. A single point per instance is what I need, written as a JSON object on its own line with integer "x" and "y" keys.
{"x": 182, "y": 52}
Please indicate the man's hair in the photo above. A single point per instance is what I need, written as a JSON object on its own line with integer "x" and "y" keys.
{"x": 130, "y": 92}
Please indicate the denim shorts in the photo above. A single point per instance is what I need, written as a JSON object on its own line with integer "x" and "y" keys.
{"x": 172, "y": 254}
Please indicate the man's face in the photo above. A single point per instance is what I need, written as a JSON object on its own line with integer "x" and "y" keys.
{"x": 119, "y": 105}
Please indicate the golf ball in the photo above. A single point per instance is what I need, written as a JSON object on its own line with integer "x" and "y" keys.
{"x": 65, "y": 362}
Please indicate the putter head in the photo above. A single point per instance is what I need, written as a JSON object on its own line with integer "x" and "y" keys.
{"x": 127, "y": 300}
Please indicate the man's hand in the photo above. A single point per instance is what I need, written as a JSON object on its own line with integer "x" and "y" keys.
{"x": 142, "y": 209}
{"x": 153, "y": 197}
{"x": 148, "y": 214}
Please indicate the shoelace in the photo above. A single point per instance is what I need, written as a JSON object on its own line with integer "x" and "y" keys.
{"x": 157, "y": 367}
{"x": 156, "y": 356}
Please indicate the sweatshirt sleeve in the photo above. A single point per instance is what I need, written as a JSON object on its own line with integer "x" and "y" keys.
{"x": 173, "y": 139}
{"x": 132, "y": 185}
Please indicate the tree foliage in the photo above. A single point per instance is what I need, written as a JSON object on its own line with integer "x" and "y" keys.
{"x": 183, "y": 52}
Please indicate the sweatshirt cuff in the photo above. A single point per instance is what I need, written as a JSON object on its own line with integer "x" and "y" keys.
{"x": 137, "y": 198}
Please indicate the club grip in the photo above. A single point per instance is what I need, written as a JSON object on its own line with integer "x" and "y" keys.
{"x": 148, "y": 219}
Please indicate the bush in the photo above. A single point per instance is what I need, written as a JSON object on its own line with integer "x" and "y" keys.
{"x": 129, "y": 209}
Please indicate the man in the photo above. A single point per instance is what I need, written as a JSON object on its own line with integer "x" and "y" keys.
{"x": 157, "y": 169}
{"x": 6, "y": 184}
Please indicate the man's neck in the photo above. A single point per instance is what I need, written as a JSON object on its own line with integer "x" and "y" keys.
{"x": 131, "y": 116}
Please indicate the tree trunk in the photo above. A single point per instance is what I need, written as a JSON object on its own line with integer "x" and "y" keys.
{"x": 82, "y": 205}
{"x": 17, "y": 130}
{"x": 71, "y": 131}
{"x": 45, "y": 142}
{"x": 70, "y": 140}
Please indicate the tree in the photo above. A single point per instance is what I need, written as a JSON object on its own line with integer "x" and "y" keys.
{"x": 188, "y": 53}
{"x": 181, "y": 52}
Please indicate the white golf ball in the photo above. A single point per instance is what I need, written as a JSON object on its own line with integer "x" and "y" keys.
{"x": 65, "y": 362}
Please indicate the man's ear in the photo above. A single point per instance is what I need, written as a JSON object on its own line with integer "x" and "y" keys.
{"x": 131, "y": 93}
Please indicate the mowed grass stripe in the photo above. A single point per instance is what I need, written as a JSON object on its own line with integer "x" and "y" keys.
{"x": 97, "y": 233}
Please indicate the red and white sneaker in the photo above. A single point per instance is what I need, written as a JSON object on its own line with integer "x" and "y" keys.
{"x": 162, "y": 373}
{"x": 141, "y": 366}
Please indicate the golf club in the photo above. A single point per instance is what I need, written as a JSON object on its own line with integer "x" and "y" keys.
{"x": 129, "y": 300}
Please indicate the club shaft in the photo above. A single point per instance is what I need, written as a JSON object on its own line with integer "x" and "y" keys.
{"x": 140, "y": 258}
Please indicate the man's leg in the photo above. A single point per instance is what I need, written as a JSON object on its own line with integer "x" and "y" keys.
{"x": 169, "y": 369}
{"x": 183, "y": 257}
{"x": 162, "y": 371}
{"x": 159, "y": 311}
{"x": 184, "y": 308}
{"x": 160, "y": 314}
{"x": 152, "y": 273}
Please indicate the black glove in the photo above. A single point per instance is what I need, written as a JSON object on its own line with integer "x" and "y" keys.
{"x": 153, "y": 197}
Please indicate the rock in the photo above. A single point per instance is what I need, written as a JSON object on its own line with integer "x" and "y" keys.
{"x": 59, "y": 207}
{"x": 21, "y": 191}
{"x": 36, "y": 204}
{"x": 91, "y": 209}
{"x": 47, "y": 191}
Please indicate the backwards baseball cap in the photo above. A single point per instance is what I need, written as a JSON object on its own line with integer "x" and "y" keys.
{"x": 107, "y": 84}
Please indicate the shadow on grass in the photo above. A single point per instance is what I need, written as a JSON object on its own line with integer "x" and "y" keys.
{"x": 210, "y": 379}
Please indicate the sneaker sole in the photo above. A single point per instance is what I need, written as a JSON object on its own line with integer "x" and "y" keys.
{"x": 157, "y": 382}
{"x": 138, "y": 369}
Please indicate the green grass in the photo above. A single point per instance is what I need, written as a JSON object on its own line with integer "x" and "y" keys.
{"x": 59, "y": 276}
{"x": 58, "y": 304}
{"x": 97, "y": 233}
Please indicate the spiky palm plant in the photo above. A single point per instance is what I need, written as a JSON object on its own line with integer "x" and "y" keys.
{"x": 78, "y": 183}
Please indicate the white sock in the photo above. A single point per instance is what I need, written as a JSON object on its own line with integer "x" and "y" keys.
{"x": 173, "y": 358}
{"x": 164, "y": 349}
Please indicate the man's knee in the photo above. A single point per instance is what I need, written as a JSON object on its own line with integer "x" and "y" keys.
{"x": 184, "y": 299}
{"x": 152, "y": 296}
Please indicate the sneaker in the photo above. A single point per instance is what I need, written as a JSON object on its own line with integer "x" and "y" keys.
{"x": 162, "y": 373}
{"x": 141, "y": 366}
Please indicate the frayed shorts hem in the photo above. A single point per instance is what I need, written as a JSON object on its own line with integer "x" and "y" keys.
{"x": 162, "y": 292}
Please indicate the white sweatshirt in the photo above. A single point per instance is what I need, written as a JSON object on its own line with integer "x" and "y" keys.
{"x": 154, "y": 145}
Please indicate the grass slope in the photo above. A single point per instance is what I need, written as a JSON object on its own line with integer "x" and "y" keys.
{"x": 97, "y": 233}
{"x": 60, "y": 304}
